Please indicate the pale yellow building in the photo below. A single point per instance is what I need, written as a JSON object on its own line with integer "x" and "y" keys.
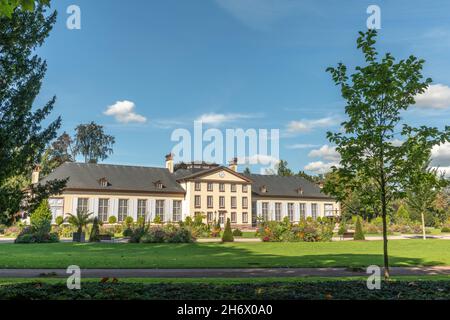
{"x": 178, "y": 191}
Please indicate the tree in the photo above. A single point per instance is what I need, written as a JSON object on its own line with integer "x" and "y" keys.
{"x": 92, "y": 143}
{"x": 359, "y": 233}
{"x": 23, "y": 137}
{"x": 228, "y": 233}
{"x": 80, "y": 220}
{"x": 402, "y": 215}
{"x": 283, "y": 170}
{"x": 95, "y": 232}
{"x": 376, "y": 94}
{"x": 7, "y": 7}
{"x": 422, "y": 189}
{"x": 41, "y": 218}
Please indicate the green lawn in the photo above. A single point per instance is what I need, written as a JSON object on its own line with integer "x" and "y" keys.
{"x": 216, "y": 255}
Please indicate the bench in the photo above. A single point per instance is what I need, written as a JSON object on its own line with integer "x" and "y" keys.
{"x": 347, "y": 235}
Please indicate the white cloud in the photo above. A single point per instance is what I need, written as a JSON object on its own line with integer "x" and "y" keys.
{"x": 320, "y": 167}
{"x": 123, "y": 112}
{"x": 329, "y": 157}
{"x": 302, "y": 146}
{"x": 437, "y": 96}
{"x": 308, "y": 125}
{"x": 219, "y": 118}
{"x": 325, "y": 152}
{"x": 440, "y": 155}
{"x": 259, "y": 159}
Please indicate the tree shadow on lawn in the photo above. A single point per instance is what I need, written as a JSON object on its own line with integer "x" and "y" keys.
{"x": 225, "y": 256}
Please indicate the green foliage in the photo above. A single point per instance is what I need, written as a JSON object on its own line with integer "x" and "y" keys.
{"x": 359, "y": 233}
{"x": 168, "y": 234}
{"x": 59, "y": 221}
{"x": 283, "y": 170}
{"x": 227, "y": 233}
{"x": 129, "y": 221}
{"x": 41, "y": 218}
{"x": 128, "y": 232}
{"x": 342, "y": 227}
{"x": 237, "y": 233}
{"x": 376, "y": 95}
{"x": 95, "y": 232}
{"x": 402, "y": 215}
{"x": 40, "y": 229}
{"x": 23, "y": 134}
{"x": 92, "y": 143}
{"x": 7, "y": 7}
{"x": 157, "y": 220}
{"x": 112, "y": 220}
{"x": 230, "y": 290}
{"x": 140, "y": 221}
{"x": 81, "y": 220}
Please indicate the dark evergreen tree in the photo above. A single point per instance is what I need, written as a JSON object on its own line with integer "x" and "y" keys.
{"x": 23, "y": 137}
{"x": 228, "y": 233}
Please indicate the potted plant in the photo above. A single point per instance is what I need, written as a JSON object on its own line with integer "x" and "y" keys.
{"x": 80, "y": 221}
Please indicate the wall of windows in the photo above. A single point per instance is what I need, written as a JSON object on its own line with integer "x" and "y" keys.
{"x": 278, "y": 211}
{"x": 290, "y": 209}
{"x": 123, "y": 210}
{"x": 83, "y": 205}
{"x": 103, "y": 209}
{"x": 177, "y": 210}
{"x": 314, "y": 210}
{"x": 142, "y": 209}
{"x": 159, "y": 210}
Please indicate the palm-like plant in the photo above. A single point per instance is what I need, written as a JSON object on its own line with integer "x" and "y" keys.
{"x": 80, "y": 220}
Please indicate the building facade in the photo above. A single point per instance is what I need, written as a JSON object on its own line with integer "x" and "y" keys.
{"x": 177, "y": 191}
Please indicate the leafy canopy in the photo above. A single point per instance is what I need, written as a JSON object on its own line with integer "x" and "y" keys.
{"x": 23, "y": 137}
{"x": 7, "y": 7}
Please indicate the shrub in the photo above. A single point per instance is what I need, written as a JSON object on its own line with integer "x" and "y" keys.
{"x": 129, "y": 221}
{"x": 138, "y": 233}
{"x": 41, "y": 218}
{"x": 180, "y": 235}
{"x": 112, "y": 220}
{"x": 359, "y": 234}
{"x": 154, "y": 235}
{"x": 227, "y": 233}
{"x": 95, "y": 232}
{"x": 445, "y": 229}
{"x": 157, "y": 220}
{"x": 40, "y": 229}
{"x": 29, "y": 235}
{"x": 141, "y": 221}
{"x": 237, "y": 233}
{"x": 215, "y": 232}
{"x": 128, "y": 232}
{"x": 342, "y": 228}
{"x": 59, "y": 221}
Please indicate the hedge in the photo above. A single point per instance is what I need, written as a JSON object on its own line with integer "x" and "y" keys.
{"x": 322, "y": 290}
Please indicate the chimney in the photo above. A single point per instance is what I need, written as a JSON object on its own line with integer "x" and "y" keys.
{"x": 169, "y": 162}
{"x": 35, "y": 174}
{"x": 233, "y": 165}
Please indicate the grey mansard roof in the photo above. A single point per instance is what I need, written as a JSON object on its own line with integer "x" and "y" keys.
{"x": 278, "y": 186}
{"x": 145, "y": 179}
{"x": 119, "y": 178}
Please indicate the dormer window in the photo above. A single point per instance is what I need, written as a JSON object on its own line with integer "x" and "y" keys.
{"x": 104, "y": 183}
{"x": 159, "y": 185}
{"x": 263, "y": 189}
{"x": 300, "y": 191}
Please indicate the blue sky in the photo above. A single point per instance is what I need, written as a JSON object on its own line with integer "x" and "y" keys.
{"x": 239, "y": 63}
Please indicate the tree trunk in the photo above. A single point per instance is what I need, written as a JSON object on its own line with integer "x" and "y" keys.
{"x": 423, "y": 226}
{"x": 385, "y": 248}
{"x": 385, "y": 239}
